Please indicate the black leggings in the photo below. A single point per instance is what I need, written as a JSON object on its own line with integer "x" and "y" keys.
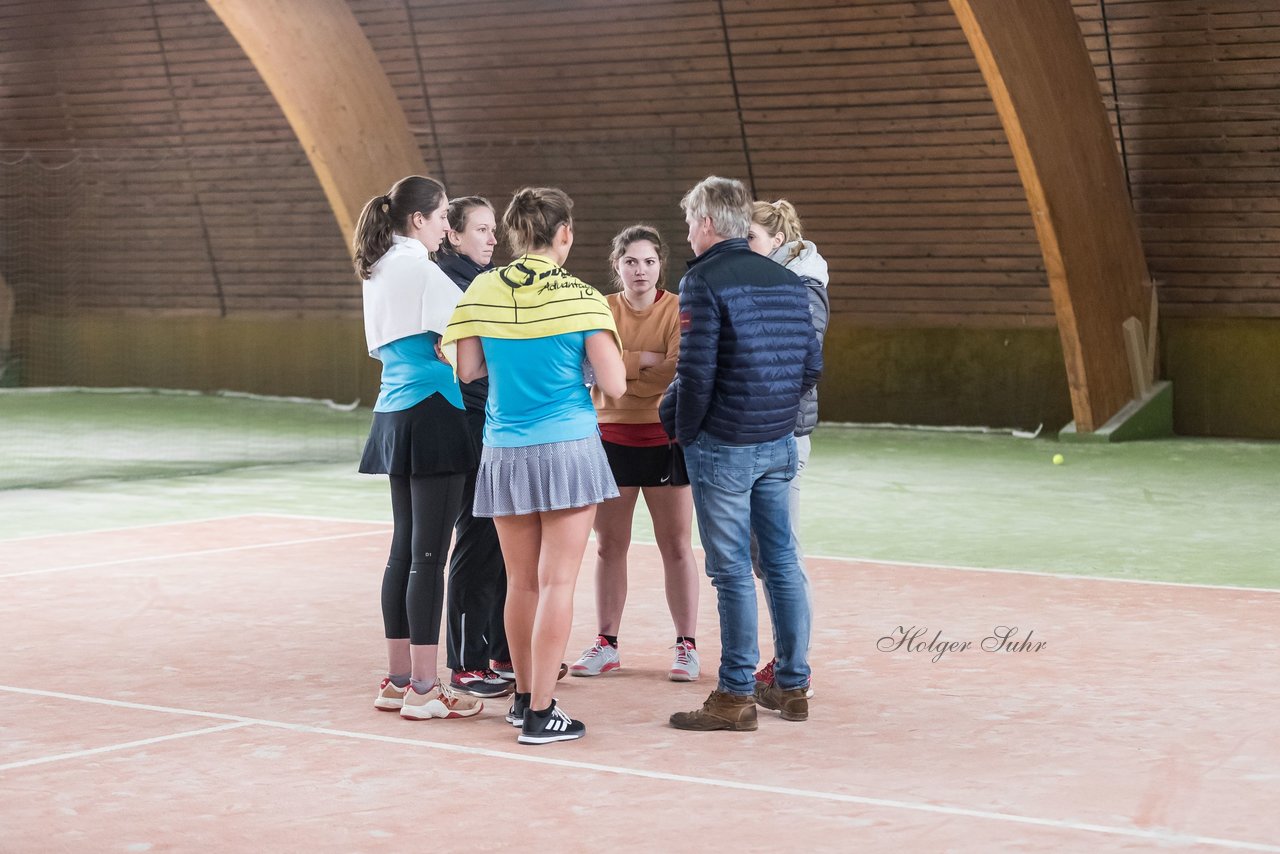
{"x": 423, "y": 510}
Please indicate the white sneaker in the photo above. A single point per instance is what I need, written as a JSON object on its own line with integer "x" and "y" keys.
{"x": 390, "y": 698}
{"x": 686, "y": 667}
{"x": 439, "y": 702}
{"x": 600, "y": 658}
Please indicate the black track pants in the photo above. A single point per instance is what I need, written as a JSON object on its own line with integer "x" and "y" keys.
{"x": 477, "y": 583}
{"x": 423, "y": 510}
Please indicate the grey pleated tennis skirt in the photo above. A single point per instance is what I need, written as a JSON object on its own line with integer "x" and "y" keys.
{"x": 538, "y": 478}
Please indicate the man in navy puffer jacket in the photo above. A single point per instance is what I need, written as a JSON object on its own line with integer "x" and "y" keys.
{"x": 748, "y": 352}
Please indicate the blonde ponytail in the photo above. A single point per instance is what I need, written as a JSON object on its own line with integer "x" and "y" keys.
{"x": 780, "y": 217}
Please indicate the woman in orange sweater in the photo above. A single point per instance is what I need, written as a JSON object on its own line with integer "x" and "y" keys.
{"x": 643, "y": 458}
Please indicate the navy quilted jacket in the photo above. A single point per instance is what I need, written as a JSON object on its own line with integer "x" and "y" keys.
{"x": 748, "y": 349}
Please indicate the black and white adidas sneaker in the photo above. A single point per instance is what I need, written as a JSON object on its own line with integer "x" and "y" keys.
{"x": 515, "y": 714}
{"x": 551, "y": 725}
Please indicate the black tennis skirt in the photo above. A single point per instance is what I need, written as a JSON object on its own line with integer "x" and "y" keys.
{"x": 431, "y": 437}
{"x": 658, "y": 466}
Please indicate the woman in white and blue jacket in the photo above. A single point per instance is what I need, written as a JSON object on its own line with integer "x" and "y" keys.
{"x": 776, "y": 233}
{"x": 419, "y": 437}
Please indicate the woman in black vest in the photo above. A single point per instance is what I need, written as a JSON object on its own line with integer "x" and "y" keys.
{"x": 477, "y": 642}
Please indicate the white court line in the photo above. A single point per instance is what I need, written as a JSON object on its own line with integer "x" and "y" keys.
{"x": 1162, "y": 836}
{"x": 1065, "y": 576}
{"x": 310, "y": 518}
{"x": 128, "y": 527}
{"x": 176, "y": 555}
{"x": 93, "y": 751}
{"x": 179, "y": 522}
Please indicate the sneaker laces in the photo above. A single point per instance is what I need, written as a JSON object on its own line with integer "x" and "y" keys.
{"x": 765, "y": 674}
{"x": 557, "y": 713}
{"x": 489, "y": 674}
{"x": 682, "y": 653}
{"x": 598, "y": 649}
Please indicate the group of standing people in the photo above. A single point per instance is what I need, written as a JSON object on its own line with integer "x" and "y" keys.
{"x": 522, "y": 408}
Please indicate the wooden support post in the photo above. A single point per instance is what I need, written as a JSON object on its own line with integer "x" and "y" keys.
{"x": 1042, "y": 81}
{"x": 1136, "y": 351}
{"x": 7, "y": 306}
{"x": 323, "y": 72}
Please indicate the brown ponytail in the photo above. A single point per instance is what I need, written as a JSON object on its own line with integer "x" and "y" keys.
{"x": 389, "y": 214}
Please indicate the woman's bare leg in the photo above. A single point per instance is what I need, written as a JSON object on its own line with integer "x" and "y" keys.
{"x": 613, "y": 540}
{"x": 521, "y": 540}
{"x": 397, "y": 656}
{"x": 564, "y": 539}
{"x": 423, "y": 662}
{"x": 671, "y": 508}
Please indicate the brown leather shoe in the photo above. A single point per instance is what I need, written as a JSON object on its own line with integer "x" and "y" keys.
{"x": 794, "y": 704}
{"x": 720, "y": 711}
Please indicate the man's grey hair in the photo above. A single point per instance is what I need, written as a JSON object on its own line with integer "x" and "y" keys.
{"x": 726, "y": 201}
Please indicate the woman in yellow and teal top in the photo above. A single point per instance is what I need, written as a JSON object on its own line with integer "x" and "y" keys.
{"x": 541, "y": 335}
{"x": 419, "y": 436}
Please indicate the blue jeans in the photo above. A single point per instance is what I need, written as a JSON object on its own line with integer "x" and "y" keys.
{"x": 738, "y": 489}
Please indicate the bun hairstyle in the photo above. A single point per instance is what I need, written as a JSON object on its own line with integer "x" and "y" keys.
{"x": 630, "y": 235}
{"x": 533, "y": 217}
{"x": 780, "y": 216}
{"x": 459, "y": 209}
{"x": 389, "y": 214}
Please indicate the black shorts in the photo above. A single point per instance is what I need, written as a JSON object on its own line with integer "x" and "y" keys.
{"x": 659, "y": 466}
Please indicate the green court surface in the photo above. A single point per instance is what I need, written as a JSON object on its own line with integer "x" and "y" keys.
{"x": 1200, "y": 511}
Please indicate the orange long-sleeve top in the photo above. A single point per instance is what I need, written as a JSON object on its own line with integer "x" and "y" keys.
{"x": 655, "y": 329}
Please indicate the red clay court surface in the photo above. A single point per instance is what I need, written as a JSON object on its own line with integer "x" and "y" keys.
{"x": 207, "y": 686}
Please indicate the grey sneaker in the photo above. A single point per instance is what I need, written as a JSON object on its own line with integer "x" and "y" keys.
{"x": 600, "y": 658}
{"x": 686, "y": 667}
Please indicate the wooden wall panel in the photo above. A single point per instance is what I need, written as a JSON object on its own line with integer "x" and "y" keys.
{"x": 874, "y": 119}
{"x": 871, "y": 116}
{"x": 631, "y": 106}
{"x": 1198, "y": 84}
{"x": 178, "y": 172}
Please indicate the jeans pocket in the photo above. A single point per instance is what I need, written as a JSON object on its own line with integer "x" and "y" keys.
{"x": 733, "y": 467}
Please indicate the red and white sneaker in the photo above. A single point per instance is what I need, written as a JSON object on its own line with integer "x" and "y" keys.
{"x": 764, "y": 678}
{"x": 686, "y": 667}
{"x": 507, "y": 671}
{"x": 390, "y": 698}
{"x": 480, "y": 683}
{"x": 600, "y": 658}
{"x": 440, "y": 702}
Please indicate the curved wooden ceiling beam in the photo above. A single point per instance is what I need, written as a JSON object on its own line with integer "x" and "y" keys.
{"x": 323, "y": 72}
{"x": 1038, "y": 70}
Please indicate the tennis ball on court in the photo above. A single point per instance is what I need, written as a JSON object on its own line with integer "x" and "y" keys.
{"x": 1058, "y": 459}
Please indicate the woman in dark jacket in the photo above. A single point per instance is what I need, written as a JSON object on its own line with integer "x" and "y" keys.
{"x": 477, "y": 593}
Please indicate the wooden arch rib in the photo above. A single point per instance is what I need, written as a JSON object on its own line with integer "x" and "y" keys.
{"x": 1037, "y": 68}
{"x": 323, "y": 72}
